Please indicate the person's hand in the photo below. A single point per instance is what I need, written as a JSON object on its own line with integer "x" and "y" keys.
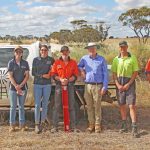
{"x": 120, "y": 88}
{"x": 126, "y": 87}
{"x": 71, "y": 79}
{"x": 83, "y": 75}
{"x": 18, "y": 87}
{"x": 102, "y": 92}
{"x": 47, "y": 76}
{"x": 20, "y": 92}
{"x": 64, "y": 81}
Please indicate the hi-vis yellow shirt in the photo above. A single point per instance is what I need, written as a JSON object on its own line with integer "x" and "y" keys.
{"x": 125, "y": 67}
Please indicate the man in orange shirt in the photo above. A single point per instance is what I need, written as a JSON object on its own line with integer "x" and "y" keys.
{"x": 147, "y": 70}
{"x": 64, "y": 72}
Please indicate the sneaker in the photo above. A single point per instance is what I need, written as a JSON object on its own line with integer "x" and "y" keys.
{"x": 12, "y": 128}
{"x": 123, "y": 127}
{"x": 90, "y": 129}
{"x": 135, "y": 132}
{"x": 37, "y": 129}
{"x": 54, "y": 130}
{"x": 98, "y": 129}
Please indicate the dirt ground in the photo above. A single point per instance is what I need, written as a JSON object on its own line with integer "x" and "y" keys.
{"x": 109, "y": 139}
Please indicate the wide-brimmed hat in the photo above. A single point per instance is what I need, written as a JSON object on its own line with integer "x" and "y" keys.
{"x": 123, "y": 43}
{"x": 64, "y": 48}
{"x": 18, "y": 48}
{"x": 92, "y": 44}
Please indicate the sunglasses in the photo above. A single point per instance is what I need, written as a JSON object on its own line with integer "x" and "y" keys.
{"x": 43, "y": 50}
{"x": 18, "y": 52}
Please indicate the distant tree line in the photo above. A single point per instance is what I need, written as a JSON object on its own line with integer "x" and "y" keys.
{"x": 82, "y": 32}
{"x": 137, "y": 20}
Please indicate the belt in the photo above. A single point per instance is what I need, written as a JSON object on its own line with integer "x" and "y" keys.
{"x": 93, "y": 83}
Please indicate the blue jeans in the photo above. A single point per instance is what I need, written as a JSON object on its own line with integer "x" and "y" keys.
{"x": 58, "y": 105}
{"x": 41, "y": 97}
{"x": 13, "y": 96}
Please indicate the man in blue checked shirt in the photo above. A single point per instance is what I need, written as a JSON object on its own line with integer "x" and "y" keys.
{"x": 93, "y": 69}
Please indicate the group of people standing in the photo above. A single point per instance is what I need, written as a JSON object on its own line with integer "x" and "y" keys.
{"x": 93, "y": 69}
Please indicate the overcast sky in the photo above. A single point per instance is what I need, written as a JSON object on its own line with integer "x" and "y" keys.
{"x": 40, "y": 17}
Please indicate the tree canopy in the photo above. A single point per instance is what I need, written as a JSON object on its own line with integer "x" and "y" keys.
{"x": 82, "y": 32}
{"x": 139, "y": 21}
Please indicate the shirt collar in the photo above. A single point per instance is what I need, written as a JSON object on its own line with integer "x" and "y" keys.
{"x": 15, "y": 60}
{"x": 129, "y": 55}
{"x": 60, "y": 58}
{"x": 94, "y": 57}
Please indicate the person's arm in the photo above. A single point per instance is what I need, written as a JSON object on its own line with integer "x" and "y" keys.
{"x": 54, "y": 73}
{"x": 147, "y": 70}
{"x": 11, "y": 78}
{"x": 25, "y": 79}
{"x": 81, "y": 68}
{"x": 127, "y": 85}
{"x": 134, "y": 75}
{"x": 105, "y": 77}
{"x": 10, "y": 74}
{"x": 35, "y": 72}
{"x": 73, "y": 78}
{"x": 26, "y": 76}
{"x": 49, "y": 74}
{"x": 114, "y": 74}
{"x": 148, "y": 77}
{"x": 119, "y": 86}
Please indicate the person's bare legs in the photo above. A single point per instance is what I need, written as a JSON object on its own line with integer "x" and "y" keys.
{"x": 133, "y": 118}
{"x": 123, "y": 111}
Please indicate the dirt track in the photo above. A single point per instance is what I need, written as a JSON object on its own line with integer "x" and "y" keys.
{"x": 108, "y": 139}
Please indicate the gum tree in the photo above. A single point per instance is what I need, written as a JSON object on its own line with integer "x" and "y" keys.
{"x": 139, "y": 21}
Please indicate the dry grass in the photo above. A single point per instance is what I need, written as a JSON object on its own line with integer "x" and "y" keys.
{"x": 109, "y": 139}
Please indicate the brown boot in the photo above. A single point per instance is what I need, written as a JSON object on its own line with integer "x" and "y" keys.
{"x": 98, "y": 128}
{"x": 90, "y": 129}
{"x": 12, "y": 128}
{"x": 23, "y": 128}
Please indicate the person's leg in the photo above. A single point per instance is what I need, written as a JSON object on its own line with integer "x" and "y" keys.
{"x": 131, "y": 101}
{"x": 71, "y": 99}
{"x": 21, "y": 101}
{"x": 37, "y": 99}
{"x": 46, "y": 96}
{"x": 97, "y": 104}
{"x": 57, "y": 107}
{"x": 132, "y": 112}
{"x": 13, "y": 105}
{"x": 121, "y": 96}
{"x": 134, "y": 121}
{"x": 90, "y": 107}
{"x": 123, "y": 111}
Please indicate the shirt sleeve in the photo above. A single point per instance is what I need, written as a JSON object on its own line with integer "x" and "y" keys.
{"x": 53, "y": 70}
{"x": 81, "y": 64}
{"x": 147, "y": 68}
{"x": 75, "y": 69}
{"x": 105, "y": 75}
{"x": 10, "y": 66}
{"x": 28, "y": 68}
{"x": 135, "y": 64}
{"x": 114, "y": 66}
{"x": 34, "y": 69}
